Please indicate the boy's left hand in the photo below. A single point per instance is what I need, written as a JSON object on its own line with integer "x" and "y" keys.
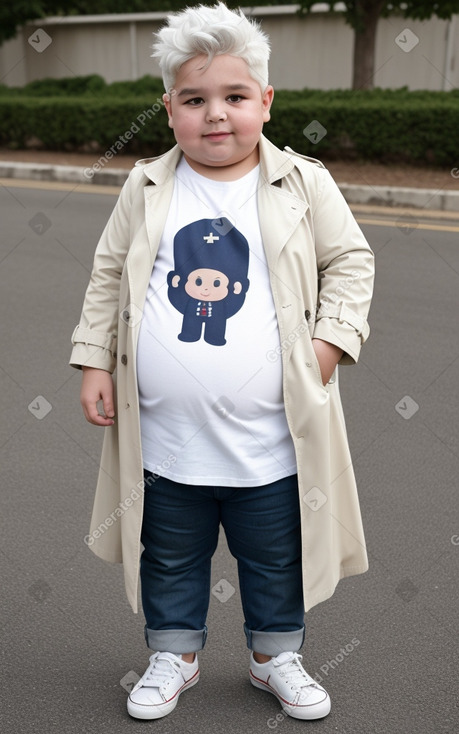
{"x": 328, "y": 355}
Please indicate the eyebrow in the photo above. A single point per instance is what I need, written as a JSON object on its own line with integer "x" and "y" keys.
{"x": 230, "y": 88}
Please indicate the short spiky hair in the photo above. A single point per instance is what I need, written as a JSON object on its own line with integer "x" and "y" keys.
{"x": 211, "y": 31}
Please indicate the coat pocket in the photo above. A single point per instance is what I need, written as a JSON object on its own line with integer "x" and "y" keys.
{"x": 310, "y": 357}
{"x": 314, "y": 362}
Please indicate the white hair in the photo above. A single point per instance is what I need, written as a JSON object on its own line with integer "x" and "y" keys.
{"x": 211, "y": 31}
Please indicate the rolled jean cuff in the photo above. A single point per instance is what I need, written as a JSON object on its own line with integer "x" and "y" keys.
{"x": 273, "y": 643}
{"x": 176, "y": 641}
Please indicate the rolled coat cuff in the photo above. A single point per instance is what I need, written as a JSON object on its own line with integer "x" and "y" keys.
{"x": 342, "y": 335}
{"x": 93, "y": 349}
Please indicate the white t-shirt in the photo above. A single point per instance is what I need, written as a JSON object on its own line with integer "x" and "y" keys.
{"x": 210, "y": 397}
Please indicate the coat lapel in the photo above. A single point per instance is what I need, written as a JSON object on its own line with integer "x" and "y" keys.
{"x": 280, "y": 211}
{"x": 158, "y": 193}
{"x": 156, "y": 197}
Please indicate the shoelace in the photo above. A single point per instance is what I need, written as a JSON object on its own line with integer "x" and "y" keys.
{"x": 159, "y": 671}
{"x": 294, "y": 673}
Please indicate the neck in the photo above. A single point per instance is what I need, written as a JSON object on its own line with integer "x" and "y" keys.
{"x": 226, "y": 173}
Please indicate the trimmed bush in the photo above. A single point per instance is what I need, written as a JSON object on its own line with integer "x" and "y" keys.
{"x": 133, "y": 124}
{"x": 85, "y": 113}
{"x": 69, "y": 86}
{"x": 422, "y": 130}
{"x": 92, "y": 85}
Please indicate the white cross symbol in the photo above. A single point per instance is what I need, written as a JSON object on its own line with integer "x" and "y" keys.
{"x": 210, "y": 238}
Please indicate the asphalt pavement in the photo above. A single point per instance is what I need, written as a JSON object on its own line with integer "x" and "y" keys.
{"x": 442, "y": 199}
{"x": 385, "y": 645}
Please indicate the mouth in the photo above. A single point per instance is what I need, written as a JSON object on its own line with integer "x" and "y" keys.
{"x": 217, "y": 135}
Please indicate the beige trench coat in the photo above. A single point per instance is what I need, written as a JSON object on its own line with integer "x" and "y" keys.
{"x": 321, "y": 277}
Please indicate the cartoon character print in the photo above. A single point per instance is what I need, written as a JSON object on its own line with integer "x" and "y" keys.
{"x": 209, "y": 283}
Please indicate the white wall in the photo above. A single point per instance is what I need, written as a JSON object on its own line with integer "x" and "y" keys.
{"x": 314, "y": 51}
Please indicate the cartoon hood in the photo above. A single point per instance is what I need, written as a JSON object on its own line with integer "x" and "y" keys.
{"x": 214, "y": 244}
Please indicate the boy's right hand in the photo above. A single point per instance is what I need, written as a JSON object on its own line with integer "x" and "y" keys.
{"x": 97, "y": 385}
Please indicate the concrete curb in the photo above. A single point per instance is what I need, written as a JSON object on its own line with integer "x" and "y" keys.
{"x": 63, "y": 174}
{"x": 439, "y": 200}
{"x": 435, "y": 199}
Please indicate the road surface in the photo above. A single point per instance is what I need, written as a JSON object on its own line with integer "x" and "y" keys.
{"x": 385, "y": 645}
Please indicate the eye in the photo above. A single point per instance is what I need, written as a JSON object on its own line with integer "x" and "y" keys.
{"x": 235, "y": 98}
{"x": 216, "y": 283}
{"x": 194, "y": 101}
{"x": 198, "y": 281}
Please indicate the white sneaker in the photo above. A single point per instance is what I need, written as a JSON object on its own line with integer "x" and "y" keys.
{"x": 300, "y": 695}
{"x": 156, "y": 693}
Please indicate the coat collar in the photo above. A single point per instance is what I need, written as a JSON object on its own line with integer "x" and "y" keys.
{"x": 278, "y": 216}
{"x": 274, "y": 163}
{"x": 160, "y": 169}
{"x": 280, "y": 211}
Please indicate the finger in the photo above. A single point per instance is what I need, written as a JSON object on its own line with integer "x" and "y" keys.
{"x": 105, "y": 405}
{"x": 93, "y": 415}
{"x": 100, "y": 420}
{"x": 105, "y": 412}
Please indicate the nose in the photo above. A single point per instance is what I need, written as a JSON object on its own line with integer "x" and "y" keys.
{"x": 215, "y": 112}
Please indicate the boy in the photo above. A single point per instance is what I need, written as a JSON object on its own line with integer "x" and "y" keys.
{"x": 229, "y": 282}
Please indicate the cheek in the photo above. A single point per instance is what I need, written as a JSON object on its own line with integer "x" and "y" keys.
{"x": 251, "y": 123}
{"x": 190, "y": 288}
{"x": 218, "y": 294}
{"x": 185, "y": 124}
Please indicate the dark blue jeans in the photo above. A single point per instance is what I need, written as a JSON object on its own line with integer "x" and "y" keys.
{"x": 180, "y": 533}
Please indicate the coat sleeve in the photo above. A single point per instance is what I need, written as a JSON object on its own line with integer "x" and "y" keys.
{"x": 94, "y": 339}
{"x": 345, "y": 271}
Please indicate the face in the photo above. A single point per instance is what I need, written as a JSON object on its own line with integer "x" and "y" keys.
{"x": 206, "y": 284}
{"x": 217, "y": 114}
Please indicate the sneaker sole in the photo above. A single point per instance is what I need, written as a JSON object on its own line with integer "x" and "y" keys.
{"x": 307, "y": 713}
{"x": 142, "y": 711}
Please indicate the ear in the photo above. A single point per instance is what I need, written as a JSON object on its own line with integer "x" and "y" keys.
{"x": 266, "y": 102}
{"x": 168, "y": 105}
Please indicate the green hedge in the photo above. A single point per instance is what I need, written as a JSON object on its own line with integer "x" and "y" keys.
{"x": 138, "y": 124}
{"x": 420, "y": 131}
{"x": 91, "y": 86}
{"x": 87, "y": 114}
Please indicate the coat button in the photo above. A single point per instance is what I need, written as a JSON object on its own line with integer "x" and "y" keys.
{"x": 123, "y": 359}
{"x": 307, "y": 315}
